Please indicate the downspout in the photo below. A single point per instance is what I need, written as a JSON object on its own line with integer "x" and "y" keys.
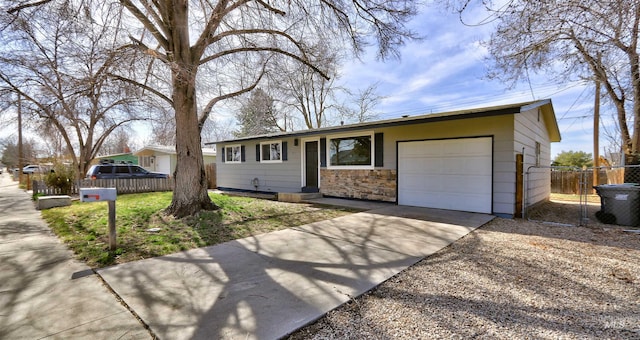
{"x": 525, "y": 175}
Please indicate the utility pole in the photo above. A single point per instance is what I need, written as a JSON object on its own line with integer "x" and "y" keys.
{"x": 596, "y": 136}
{"x": 20, "y": 153}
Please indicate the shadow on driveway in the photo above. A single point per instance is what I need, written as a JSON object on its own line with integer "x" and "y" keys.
{"x": 267, "y": 286}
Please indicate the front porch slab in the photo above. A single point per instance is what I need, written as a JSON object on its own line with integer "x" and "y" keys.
{"x": 297, "y": 197}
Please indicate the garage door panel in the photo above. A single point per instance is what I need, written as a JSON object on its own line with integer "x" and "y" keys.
{"x": 447, "y": 201}
{"x": 474, "y": 148}
{"x": 446, "y": 174}
{"x": 467, "y": 185}
{"x": 424, "y": 165}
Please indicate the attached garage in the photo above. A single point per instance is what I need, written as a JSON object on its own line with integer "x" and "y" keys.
{"x": 454, "y": 174}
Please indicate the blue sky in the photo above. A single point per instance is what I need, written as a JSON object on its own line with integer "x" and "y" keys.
{"x": 447, "y": 71}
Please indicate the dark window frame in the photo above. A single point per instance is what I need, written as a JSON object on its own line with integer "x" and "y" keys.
{"x": 233, "y": 153}
{"x": 269, "y": 145}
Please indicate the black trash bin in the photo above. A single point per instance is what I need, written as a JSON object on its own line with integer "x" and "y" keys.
{"x": 619, "y": 204}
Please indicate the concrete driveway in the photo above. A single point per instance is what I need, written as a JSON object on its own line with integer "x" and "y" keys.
{"x": 267, "y": 286}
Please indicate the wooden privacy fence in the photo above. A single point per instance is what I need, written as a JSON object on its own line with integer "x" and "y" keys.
{"x": 122, "y": 185}
{"x": 210, "y": 170}
{"x": 568, "y": 182}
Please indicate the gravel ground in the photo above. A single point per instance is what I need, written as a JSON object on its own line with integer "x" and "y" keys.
{"x": 510, "y": 279}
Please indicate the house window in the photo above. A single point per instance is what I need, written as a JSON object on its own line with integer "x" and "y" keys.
{"x": 351, "y": 151}
{"x": 271, "y": 152}
{"x": 537, "y": 154}
{"x": 233, "y": 154}
{"x": 145, "y": 161}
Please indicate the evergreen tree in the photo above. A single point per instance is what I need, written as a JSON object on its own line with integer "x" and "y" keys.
{"x": 257, "y": 116}
{"x": 573, "y": 159}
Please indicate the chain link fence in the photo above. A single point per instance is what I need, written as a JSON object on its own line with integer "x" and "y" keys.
{"x": 608, "y": 195}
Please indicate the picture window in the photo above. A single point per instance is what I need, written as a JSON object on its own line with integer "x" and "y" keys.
{"x": 351, "y": 151}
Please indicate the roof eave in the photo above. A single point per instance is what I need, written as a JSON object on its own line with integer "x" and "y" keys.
{"x": 549, "y": 115}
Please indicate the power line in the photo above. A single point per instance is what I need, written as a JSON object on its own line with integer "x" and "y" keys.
{"x": 574, "y": 103}
{"x": 480, "y": 100}
{"x": 576, "y": 117}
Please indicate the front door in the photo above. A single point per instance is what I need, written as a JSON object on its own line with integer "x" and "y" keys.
{"x": 311, "y": 167}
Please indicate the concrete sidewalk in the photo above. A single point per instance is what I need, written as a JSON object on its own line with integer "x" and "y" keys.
{"x": 267, "y": 286}
{"x": 44, "y": 292}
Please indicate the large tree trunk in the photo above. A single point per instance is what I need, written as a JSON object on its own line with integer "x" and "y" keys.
{"x": 82, "y": 166}
{"x": 190, "y": 194}
{"x": 634, "y": 60}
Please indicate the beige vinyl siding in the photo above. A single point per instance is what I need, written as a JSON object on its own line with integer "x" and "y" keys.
{"x": 272, "y": 177}
{"x": 209, "y": 159}
{"x": 530, "y": 128}
{"x": 504, "y": 181}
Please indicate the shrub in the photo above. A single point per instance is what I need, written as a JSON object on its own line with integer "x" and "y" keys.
{"x": 61, "y": 177}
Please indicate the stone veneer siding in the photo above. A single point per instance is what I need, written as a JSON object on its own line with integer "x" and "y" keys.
{"x": 374, "y": 185}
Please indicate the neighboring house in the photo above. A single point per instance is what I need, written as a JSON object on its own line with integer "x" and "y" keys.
{"x": 163, "y": 159}
{"x": 126, "y": 157}
{"x": 463, "y": 160}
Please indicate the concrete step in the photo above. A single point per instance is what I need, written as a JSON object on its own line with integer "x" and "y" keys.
{"x": 296, "y": 197}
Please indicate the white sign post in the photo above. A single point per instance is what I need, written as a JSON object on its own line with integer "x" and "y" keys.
{"x": 103, "y": 194}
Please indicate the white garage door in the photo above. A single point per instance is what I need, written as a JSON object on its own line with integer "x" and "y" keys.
{"x": 452, "y": 174}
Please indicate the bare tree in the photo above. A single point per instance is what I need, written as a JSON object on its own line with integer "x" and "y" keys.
{"x": 588, "y": 39}
{"x": 52, "y": 140}
{"x": 163, "y": 128}
{"x": 215, "y": 129}
{"x": 236, "y": 40}
{"x": 118, "y": 142}
{"x": 59, "y": 61}
{"x": 306, "y": 93}
{"x": 10, "y": 152}
{"x": 363, "y": 105}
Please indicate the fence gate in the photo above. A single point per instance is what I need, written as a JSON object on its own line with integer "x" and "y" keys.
{"x": 613, "y": 198}
{"x": 585, "y": 190}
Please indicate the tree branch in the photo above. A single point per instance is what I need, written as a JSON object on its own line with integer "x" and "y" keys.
{"x": 140, "y": 46}
{"x": 143, "y": 86}
{"x": 27, "y": 5}
{"x": 264, "y": 49}
{"x": 207, "y": 110}
{"x": 241, "y": 32}
{"x": 147, "y": 24}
